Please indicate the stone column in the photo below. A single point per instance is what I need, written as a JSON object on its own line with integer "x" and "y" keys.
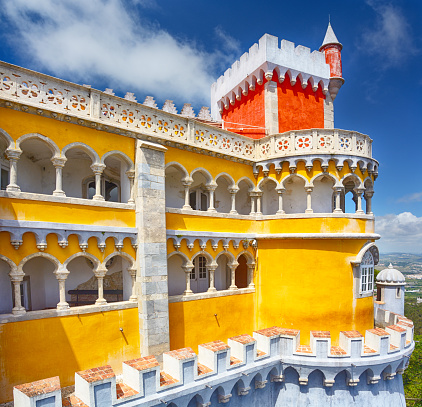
{"x": 133, "y": 297}
{"x": 258, "y": 203}
{"x": 100, "y": 274}
{"x": 59, "y": 163}
{"x": 98, "y": 169}
{"x": 368, "y": 197}
{"x": 309, "y": 200}
{"x": 271, "y": 107}
{"x": 280, "y": 192}
{"x": 61, "y": 276}
{"x": 211, "y": 189}
{"x": 16, "y": 279}
{"x": 337, "y": 192}
{"x": 186, "y": 184}
{"x": 13, "y": 156}
{"x": 151, "y": 278}
{"x": 233, "y": 191}
{"x": 211, "y": 271}
{"x": 131, "y": 176}
{"x": 251, "y": 268}
{"x": 233, "y": 267}
{"x": 359, "y": 192}
{"x": 187, "y": 269}
{"x": 253, "y": 199}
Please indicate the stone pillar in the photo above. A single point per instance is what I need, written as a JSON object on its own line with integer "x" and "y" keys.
{"x": 368, "y": 197}
{"x": 258, "y": 203}
{"x": 233, "y": 191}
{"x": 251, "y": 268}
{"x": 211, "y": 271}
{"x": 186, "y": 184}
{"x": 151, "y": 279}
{"x": 359, "y": 192}
{"x": 280, "y": 192}
{"x": 211, "y": 189}
{"x": 131, "y": 176}
{"x": 59, "y": 163}
{"x": 187, "y": 269}
{"x": 133, "y": 297}
{"x": 309, "y": 200}
{"x": 16, "y": 279}
{"x": 271, "y": 107}
{"x": 61, "y": 276}
{"x": 98, "y": 169}
{"x": 337, "y": 192}
{"x": 233, "y": 267}
{"x": 13, "y": 156}
{"x": 253, "y": 201}
{"x": 100, "y": 274}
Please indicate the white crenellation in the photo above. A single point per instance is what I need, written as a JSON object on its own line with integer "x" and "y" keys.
{"x": 187, "y": 111}
{"x": 149, "y": 101}
{"x": 261, "y": 60}
{"x": 169, "y": 107}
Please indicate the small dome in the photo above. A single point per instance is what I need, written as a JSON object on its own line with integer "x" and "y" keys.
{"x": 390, "y": 276}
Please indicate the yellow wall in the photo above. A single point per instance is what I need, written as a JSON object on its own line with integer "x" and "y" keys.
{"x": 34, "y": 350}
{"x": 194, "y": 322}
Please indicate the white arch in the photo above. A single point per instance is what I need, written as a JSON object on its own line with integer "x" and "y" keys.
{"x": 82, "y": 254}
{"x": 11, "y": 263}
{"x": 248, "y": 181}
{"x": 8, "y": 139}
{"x": 178, "y": 166}
{"x": 120, "y": 154}
{"x": 229, "y": 255}
{"x": 227, "y": 177}
{"x": 48, "y": 256}
{"x": 95, "y": 158}
{"x": 204, "y": 172}
{"x": 249, "y": 257}
{"x": 355, "y": 178}
{"x": 124, "y": 255}
{"x": 367, "y": 246}
{"x": 324, "y": 174}
{"x": 186, "y": 259}
{"x": 369, "y": 180}
{"x": 210, "y": 259}
{"x": 282, "y": 182}
{"x": 50, "y": 143}
{"x": 265, "y": 180}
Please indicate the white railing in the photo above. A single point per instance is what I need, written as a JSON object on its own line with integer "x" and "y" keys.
{"x": 44, "y": 92}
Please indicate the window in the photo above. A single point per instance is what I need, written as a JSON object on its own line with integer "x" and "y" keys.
{"x": 398, "y": 292}
{"x": 198, "y": 200}
{"x": 367, "y": 273}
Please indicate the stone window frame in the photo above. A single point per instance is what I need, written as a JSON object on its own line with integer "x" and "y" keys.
{"x": 356, "y": 265}
{"x": 367, "y": 267}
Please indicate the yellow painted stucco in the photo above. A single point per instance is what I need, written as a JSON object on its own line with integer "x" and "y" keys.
{"x": 195, "y": 322}
{"x": 61, "y": 346}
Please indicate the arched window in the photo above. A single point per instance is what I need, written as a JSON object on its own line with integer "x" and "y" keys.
{"x": 367, "y": 273}
{"x": 199, "y": 275}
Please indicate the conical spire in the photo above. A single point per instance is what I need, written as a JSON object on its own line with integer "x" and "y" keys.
{"x": 330, "y": 38}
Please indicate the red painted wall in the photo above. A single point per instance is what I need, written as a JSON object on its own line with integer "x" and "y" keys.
{"x": 299, "y": 108}
{"x": 333, "y": 58}
{"x": 249, "y": 110}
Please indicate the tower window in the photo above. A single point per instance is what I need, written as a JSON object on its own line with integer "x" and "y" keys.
{"x": 367, "y": 273}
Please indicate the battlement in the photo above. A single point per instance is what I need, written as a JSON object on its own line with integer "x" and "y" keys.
{"x": 261, "y": 60}
{"x": 245, "y": 364}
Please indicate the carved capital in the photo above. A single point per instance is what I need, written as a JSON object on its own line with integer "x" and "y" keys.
{"x": 13, "y": 154}
{"x": 59, "y": 161}
{"x": 98, "y": 169}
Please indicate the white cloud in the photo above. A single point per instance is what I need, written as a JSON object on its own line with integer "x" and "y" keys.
{"x": 390, "y": 39}
{"x": 110, "y": 40}
{"x": 400, "y": 233}
{"x": 416, "y": 197}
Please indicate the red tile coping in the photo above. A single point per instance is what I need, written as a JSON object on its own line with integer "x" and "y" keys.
{"x": 181, "y": 354}
{"x": 397, "y": 328}
{"x": 123, "y": 391}
{"x": 202, "y": 369}
{"x": 367, "y": 349}
{"x": 321, "y": 334}
{"x": 144, "y": 363}
{"x": 166, "y": 379}
{"x": 40, "y": 387}
{"x": 234, "y": 361}
{"x": 304, "y": 349}
{"x": 97, "y": 374}
{"x": 352, "y": 334}
{"x": 244, "y": 339}
{"x": 337, "y": 351}
{"x": 72, "y": 401}
{"x": 260, "y": 353}
{"x": 275, "y": 331}
{"x": 215, "y": 346}
{"x": 407, "y": 343}
{"x": 393, "y": 347}
{"x": 403, "y": 318}
{"x": 379, "y": 332}
{"x": 404, "y": 323}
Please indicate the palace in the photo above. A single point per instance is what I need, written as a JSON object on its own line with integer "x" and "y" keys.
{"x": 153, "y": 258}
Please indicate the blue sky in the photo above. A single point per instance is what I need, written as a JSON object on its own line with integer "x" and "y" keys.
{"x": 175, "y": 50}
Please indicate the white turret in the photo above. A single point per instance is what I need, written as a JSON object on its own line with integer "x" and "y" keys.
{"x": 390, "y": 290}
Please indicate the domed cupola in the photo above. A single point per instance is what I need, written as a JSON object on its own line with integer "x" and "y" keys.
{"x": 390, "y": 290}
